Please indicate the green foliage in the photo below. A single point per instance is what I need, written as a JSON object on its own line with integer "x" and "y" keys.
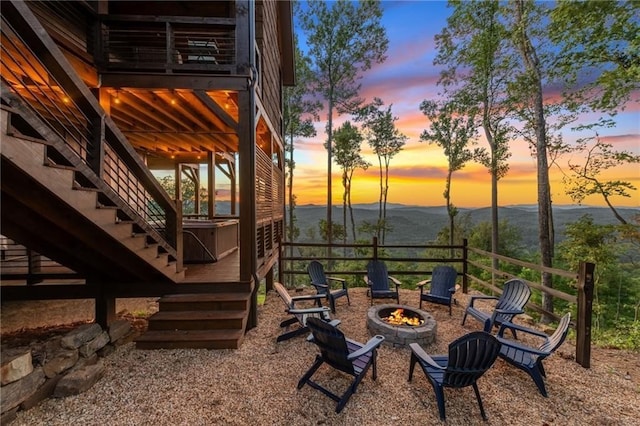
{"x": 602, "y": 37}
{"x": 188, "y": 194}
{"x": 347, "y": 143}
{"x": 625, "y": 335}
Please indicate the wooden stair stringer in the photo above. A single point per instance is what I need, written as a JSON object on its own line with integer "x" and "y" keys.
{"x": 30, "y": 157}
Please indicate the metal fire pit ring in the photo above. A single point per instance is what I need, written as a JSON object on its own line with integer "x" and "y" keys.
{"x": 401, "y": 335}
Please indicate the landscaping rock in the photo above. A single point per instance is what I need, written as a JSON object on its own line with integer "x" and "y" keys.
{"x": 43, "y": 392}
{"x": 79, "y": 380}
{"x": 16, "y": 364}
{"x": 14, "y": 393}
{"x": 118, "y": 329}
{"x": 81, "y": 335}
{"x": 94, "y": 345}
{"x": 62, "y": 360}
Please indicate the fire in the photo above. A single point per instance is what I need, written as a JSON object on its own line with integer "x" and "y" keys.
{"x": 398, "y": 317}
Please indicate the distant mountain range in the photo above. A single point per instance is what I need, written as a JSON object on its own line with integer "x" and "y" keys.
{"x": 420, "y": 225}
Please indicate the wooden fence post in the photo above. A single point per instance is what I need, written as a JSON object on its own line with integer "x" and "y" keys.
{"x": 465, "y": 265}
{"x": 585, "y": 309}
{"x": 375, "y": 248}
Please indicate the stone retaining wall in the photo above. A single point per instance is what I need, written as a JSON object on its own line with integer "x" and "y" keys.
{"x": 58, "y": 367}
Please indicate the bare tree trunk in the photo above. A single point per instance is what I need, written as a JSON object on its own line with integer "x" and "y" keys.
{"x": 353, "y": 222}
{"x": 532, "y": 66}
{"x": 450, "y": 212}
{"x": 329, "y": 181}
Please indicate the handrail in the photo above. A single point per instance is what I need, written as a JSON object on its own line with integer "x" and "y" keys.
{"x": 70, "y": 115}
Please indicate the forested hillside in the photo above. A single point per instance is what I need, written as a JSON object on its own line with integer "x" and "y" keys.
{"x": 420, "y": 225}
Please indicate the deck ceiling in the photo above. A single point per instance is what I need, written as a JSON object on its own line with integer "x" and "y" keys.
{"x": 180, "y": 125}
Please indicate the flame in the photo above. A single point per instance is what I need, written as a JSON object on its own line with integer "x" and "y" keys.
{"x": 397, "y": 317}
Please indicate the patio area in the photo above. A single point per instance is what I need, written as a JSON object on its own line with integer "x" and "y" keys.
{"x": 256, "y": 384}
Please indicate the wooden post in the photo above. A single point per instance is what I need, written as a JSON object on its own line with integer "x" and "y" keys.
{"x": 34, "y": 265}
{"x": 585, "y": 308}
{"x": 280, "y": 261}
{"x": 105, "y": 306}
{"x": 465, "y": 265}
{"x": 375, "y": 248}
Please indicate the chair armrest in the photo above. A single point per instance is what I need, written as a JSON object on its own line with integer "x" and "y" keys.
{"x": 373, "y": 343}
{"x": 325, "y": 286}
{"x": 507, "y": 311}
{"x": 394, "y": 280}
{"x": 315, "y": 297}
{"x": 341, "y": 281}
{"x": 520, "y": 346}
{"x": 518, "y": 327}
{"x": 481, "y": 297}
{"x": 309, "y": 310}
{"x": 421, "y": 354}
{"x": 423, "y": 282}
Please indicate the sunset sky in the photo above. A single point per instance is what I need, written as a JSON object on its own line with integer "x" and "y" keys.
{"x": 418, "y": 173}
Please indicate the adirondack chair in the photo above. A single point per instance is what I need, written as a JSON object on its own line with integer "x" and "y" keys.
{"x": 441, "y": 288}
{"x": 379, "y": 282}
{"x": 343, "y": 354}
{"x": 470, "y": 356}
{"x": 301, "y": 315}
{"x": 322, "y": 283}
{"x": 511, "y": 302}
{"x": 530, "y": 359}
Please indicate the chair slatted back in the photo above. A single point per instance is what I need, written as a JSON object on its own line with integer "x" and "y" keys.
{"x": 316, "y": 273}
{"x": 332, "y": 344}
{"x": 378, "y": 275}
{"x": 515, "y": 295}
{"x": 470, "y": 356}
{"x": 443, "y": 278}
{"x": 558, "y": 336}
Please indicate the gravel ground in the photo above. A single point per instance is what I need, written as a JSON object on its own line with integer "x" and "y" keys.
{"x": 256, "y": 384}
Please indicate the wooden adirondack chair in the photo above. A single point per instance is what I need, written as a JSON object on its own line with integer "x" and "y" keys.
{"x": 442, "y": 286}
{"x": 322, "y": 283}
{"x": 470, "y": 356}
{"x": 301, "y": 315}
{"x": 530, "y": 359}
{"x": 511, "y": 302}
{"x": 379, "y": 282}
{"x": 343, "y": 354}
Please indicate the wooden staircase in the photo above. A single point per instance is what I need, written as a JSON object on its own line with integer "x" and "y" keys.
{"x": 198, "y": 321}
{"x": 37, "y": 181}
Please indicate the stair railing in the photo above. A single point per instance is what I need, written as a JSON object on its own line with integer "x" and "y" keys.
{"x": 69, "y": 117}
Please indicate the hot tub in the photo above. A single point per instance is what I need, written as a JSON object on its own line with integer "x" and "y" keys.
{"x": 219, "y": 236}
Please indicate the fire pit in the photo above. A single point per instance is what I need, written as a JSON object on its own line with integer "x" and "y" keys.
{"x": 401, "y": 325}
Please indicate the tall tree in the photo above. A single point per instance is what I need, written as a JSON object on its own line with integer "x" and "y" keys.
{"x": 386, "y": 140}
{"x": 345, "y": 38}
{"x": 299, "y": 113}
{"x": 529, "y": 86}
{"x": 454, "y": 132}
{"x": 474, "y": 50}
{"x": 347, "y": 142}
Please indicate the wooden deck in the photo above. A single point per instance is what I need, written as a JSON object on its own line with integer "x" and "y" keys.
{"x": 225, "y": 270}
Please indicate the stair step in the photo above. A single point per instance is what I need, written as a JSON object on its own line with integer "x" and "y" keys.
{"x": 197, "y": 320}
{"x": 190, "y": 339}
{"x": 205, "y": 302}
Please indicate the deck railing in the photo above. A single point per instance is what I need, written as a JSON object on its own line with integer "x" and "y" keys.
{"x": 59, "y": 108}
{"x": 167, "y": 44}
{"x": 416, "y": 262}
